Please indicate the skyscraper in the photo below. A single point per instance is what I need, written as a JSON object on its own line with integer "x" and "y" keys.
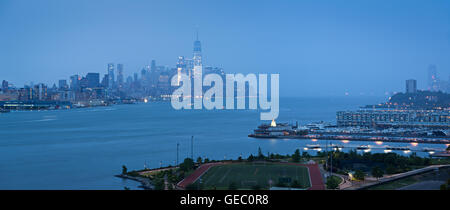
{"x": 74, "y": 82}
{"x": 411, "y": 86}
{"x": 433, "y": 81}
{"x": 153, "y": 67}
{"x": 181, "y": 68}
{"x": 197, "y": 73}
{"x": 197, "y": 58}
{"x": 111, "y": 75}
{"x": 62, "y": 84}
{"x": 120, "y": 77}
{"x": 5, "y": 86}
{"x": 93, "y": 80}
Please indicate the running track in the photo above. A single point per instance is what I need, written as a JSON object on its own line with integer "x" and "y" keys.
{"x": 314, "y": 174}
{"x": 196, "y": 174}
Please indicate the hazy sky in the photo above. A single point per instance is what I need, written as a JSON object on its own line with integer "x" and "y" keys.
{"x": 317, "y": 47}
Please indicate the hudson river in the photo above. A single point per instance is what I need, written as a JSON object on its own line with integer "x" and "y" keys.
{"x": 84, "y": 148}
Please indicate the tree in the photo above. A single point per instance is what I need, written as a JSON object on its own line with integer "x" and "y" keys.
{"x": 199, "y": 160}
{"x": 250, "y": 158}
{"x": 377, "y": 172}
{"x": 305, "y": 155}
{"x": 124, "y": 169}
{"x": 187, "y": 165}
{"x": 158, "y": 184}
{"x": 296, "y": 156}
{"x": 332, "y": 182}
{"x": 256, "y": 187}
{"x": 360, "y": 175}
{"x": 191, "y": 186}
{"x": 240, "y": 159}
{"x": 391, "y": 169}
{"x": 232, "y": 186}
{"x": 296, "y": 184}
{"x": 260, "y": 154}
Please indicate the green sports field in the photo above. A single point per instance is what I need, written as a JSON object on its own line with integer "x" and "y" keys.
{"x": 249, "y": 175}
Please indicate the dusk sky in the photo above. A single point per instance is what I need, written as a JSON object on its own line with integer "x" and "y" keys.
{"x": 318, "y": 47}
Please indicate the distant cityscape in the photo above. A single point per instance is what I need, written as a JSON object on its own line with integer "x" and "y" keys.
{"x": 152, "y": 83}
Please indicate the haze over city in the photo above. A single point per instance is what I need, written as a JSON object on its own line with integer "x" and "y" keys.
{"x": 318, "y": 47}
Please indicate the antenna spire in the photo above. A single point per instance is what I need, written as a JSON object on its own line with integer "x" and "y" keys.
{"x": 196, "y": 33}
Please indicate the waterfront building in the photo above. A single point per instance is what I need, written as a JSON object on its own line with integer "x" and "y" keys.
{"x": 197, "y": 59}
{"x": 74, "y": 82}
{"x": 120, "y": 77}
{"x": 181, "y": 68}
{"x": 93, "y": 80}
{"x": 25, "y": 94}
{"x": 105, "y": 81}
{"x": 110, "y": 75}
{"x": 189, "y": 66}
{"x": 394, "y": 118}
{"x": 62, "y": 84}
{"x": 40, "y": 92}
{"x": 197, "y": 73}
{"x": 411, "y": 86}
{"x": 163, "y": 87}
{"x": 433, "y": 81}
{"x": 5, "y": 86}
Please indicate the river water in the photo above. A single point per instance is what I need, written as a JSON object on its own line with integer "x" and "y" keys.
{"x": 84, "y": 148}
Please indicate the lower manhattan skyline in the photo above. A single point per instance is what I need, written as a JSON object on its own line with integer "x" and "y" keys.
{"x": 389, "y": 44}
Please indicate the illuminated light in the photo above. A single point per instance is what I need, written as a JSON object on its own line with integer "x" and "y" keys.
{"x": 406, "y": 151}
{"x": 431, "y": 152}
{"x": 313, "y": 139}
{"x": 414, "y": 144}
{"x": 387, "y": 150}
{"x": 367, "y": 150}
{"x": 318, "y": 149}
{"x": 379, "y": 142}
{"x": 145, "y": 100}
{"x": 306, "y": 148}
{"x": 273, "y": 123}
{"x": 345, "y": 141}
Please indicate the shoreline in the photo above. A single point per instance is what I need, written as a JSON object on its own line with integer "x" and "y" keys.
{"x": 337, "y": 138}
{"x": 145, "y": 183}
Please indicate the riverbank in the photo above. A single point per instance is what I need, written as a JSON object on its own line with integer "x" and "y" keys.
{"x": 359, "y": 138}
{"x": 145, "y": 182}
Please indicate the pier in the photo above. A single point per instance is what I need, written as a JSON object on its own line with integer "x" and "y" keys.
{"x": 360, "y": 138}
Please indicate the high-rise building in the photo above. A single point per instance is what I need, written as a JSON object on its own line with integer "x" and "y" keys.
{"x": 411, "y": 86}
{"x": 135, "y": 76}
{"x": 5, "y": 86}
{"x": 111, "y": 75}
{"x": 197, "y": 58}
{"x": 93, "y": 80}
{"x": 105, "y": 81}
{"x": 120, "y": 77}
{"x": 74, "y": 80}
{"x": 40, "y": 92}
{"x": 433, "y": 81}
{"x": 153, "y": 66}
{"x": 181, "y": 68}
{"x": 62, "y": 84}
{"x": 197, "y": 72}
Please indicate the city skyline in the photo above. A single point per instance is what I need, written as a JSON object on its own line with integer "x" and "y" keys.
{"x": 316, "y": 53}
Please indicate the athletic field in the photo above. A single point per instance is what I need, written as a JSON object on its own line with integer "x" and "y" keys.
{"x": 248, "y": 175}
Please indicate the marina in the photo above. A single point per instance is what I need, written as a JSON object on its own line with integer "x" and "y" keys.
{"x": 330, "y": 132}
